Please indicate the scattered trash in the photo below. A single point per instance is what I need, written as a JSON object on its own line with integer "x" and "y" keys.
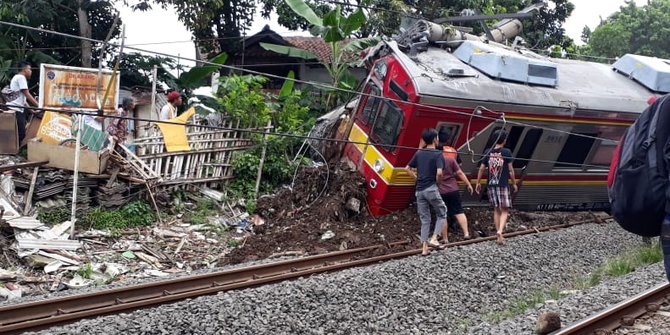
{"x": 53, "y": 266}
{"x": 354, "y": 205}
{"x": 78, "y": 282}
{"x": 129, "y": 254}
{"x": 156, "y": 273}
{"x": 10, "y": 294}
{"x": 114, "y": 270}
{"x": 327, "y": 235}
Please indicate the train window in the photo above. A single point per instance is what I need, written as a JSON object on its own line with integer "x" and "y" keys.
{"x": 513, "y": 137}
{"x": 603, "y": 155}
{"x": 388, "y": 126}
{"x": 398, "y": 90}
{"x": 527, "y": 147}
{"x": 371, "y": 106}
{"x": 451, "y": 130}
{"x": 575, "y": 151}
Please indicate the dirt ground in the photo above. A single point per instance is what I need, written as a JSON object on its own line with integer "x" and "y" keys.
{"x": 299, "y": 223}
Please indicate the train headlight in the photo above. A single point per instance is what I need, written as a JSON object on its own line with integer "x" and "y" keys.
{"x": 379, "y": 166}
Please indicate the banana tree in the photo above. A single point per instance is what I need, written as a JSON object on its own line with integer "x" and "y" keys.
{"x": 335, "y": 29}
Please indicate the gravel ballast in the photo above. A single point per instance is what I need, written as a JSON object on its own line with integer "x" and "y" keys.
{"x": 440, "y": 293}
{"x": 582, "y": 304}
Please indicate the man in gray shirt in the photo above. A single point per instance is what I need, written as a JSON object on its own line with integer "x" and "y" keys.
{"x": 426, "y": 166}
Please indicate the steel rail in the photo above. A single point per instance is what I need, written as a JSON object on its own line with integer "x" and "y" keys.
{"x": 620, "y": 314}
{"x": 38, "y": 315}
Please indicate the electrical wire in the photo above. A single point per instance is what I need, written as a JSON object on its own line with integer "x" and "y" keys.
{"x": 320, "y": 85}
{"x": 262, "y": 131}
{"x": 311, "y": 83}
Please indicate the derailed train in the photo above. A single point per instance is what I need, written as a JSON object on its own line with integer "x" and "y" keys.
{"x": 564, "y": 117}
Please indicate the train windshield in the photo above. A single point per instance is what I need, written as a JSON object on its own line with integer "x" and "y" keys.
{"x": 372, "y": 102}
{"x": 387, "y": 126}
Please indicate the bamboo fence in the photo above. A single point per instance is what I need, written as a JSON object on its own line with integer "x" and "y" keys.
{"x": 208, "y": 162}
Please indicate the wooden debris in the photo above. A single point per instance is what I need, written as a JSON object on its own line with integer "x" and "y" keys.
{"x": 22, "y": 165}
{"x": 29, "y": 197}
{"x": 151, "y": 260}
{"x": 212, "y": 194}
{"x": 59, "y": 257}
{"x": 180, "y": 245}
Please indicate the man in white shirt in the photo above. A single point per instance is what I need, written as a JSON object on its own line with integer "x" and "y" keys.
{"x": 18, "y": 88}
{"x": 169, "y": 111}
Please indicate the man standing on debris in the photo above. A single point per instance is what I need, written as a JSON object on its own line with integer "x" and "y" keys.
{"x": 498, "y": 160}
{"x": 169, "y": 111}
{"x": 426, "y": 167}
{"x": 118, "y": 127}
{"x": 17, "y": 94}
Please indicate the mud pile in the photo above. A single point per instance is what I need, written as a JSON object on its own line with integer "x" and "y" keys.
{"x": 310, "y": 219}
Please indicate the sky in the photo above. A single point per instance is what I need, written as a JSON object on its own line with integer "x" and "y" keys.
{"x": 160, "y": 25}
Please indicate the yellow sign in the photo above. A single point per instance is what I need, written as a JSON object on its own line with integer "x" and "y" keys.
{"x": 75, "y": 88}
{"x": 174, "y": 135}
{"x": 55, "y": 128}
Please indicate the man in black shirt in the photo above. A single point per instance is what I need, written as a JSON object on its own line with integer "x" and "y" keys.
{"x": 498, "y": 160}
{"x": 426, "y": 167}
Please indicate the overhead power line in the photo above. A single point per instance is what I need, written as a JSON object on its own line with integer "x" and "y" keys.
{"x": 315, "y": 84}
{"x": 262, "y": 131}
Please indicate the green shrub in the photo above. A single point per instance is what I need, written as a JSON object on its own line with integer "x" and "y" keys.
{"x": 134, "y": 214}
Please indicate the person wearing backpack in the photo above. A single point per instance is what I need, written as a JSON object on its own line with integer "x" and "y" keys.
{"x": 498, "y": 162}
{"x": 638, "y": 187}
{"x": 426, "y": 167}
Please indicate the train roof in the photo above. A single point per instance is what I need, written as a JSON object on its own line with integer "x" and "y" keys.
{"x": 575, "y": 85}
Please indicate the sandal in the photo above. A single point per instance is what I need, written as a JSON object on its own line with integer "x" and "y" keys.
{"x": 424, "y": 254}
{"x": 434, "y": 245}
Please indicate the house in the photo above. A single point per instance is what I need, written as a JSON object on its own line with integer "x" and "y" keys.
{"x": 254, "y": 57}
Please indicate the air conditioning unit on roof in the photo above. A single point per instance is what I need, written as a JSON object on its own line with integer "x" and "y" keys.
{"x": 651, "y": 72}
{"x": 507, "y": 65}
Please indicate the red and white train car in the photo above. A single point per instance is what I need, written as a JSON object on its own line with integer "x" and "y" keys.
{"x": 564, "y": 117}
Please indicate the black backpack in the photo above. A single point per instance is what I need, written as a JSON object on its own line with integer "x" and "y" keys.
{"x": 637, "y": 181}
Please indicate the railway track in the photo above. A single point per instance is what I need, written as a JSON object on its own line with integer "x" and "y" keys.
{"x": 43, "y": 314}
{"x": 622, "y": 314}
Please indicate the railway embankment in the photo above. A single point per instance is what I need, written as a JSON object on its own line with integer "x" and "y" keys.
{"x": 452, "y": 291}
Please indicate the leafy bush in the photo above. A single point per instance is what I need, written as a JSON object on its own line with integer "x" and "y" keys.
{"x": 201, "y": 214}
{"x": 134, "y": 214}
{"x": 242, "y": 97}
{"x": 52, "y": 217}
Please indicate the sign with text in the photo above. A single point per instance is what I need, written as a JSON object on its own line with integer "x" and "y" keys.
{"x": 76, "y": 88}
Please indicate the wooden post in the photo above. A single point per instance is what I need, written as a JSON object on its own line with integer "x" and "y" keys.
{"x": 77, "y": 153}
{"x": 29, "y": 197}
{"x": 154, "y": 78}
{"x": 260, "y": 164}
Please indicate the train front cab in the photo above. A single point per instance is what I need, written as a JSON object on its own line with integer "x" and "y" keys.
{"x": 381, "y": 127}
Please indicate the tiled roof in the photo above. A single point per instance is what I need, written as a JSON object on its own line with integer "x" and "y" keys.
{"x": 316, "y": 45}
